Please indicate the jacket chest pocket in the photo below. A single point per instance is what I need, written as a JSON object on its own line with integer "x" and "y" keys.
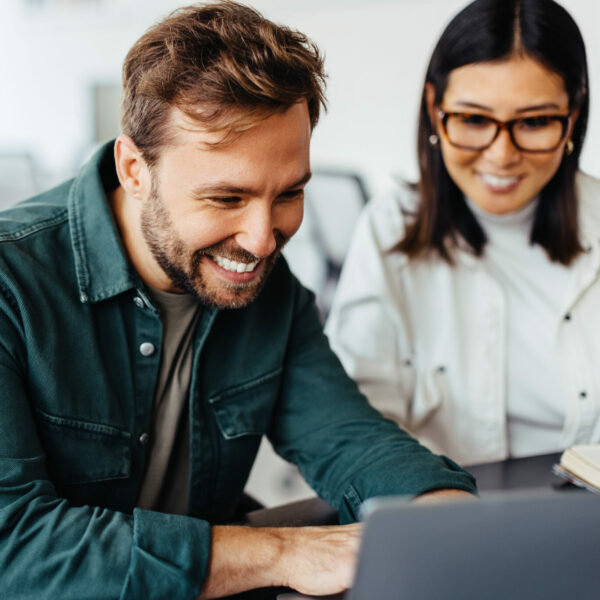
{"x": 243, "y": 415}
{"x": 247, "y": 409}
{"x": 79, "y": 452}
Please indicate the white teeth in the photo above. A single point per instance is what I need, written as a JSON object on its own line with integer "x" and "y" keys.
{"x": 499, "y": 182}
{"x": 233, "y": 266}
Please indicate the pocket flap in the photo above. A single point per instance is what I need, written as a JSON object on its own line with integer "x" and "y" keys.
{"x": 82, "y": 451}
{"x": 247, "y": 408}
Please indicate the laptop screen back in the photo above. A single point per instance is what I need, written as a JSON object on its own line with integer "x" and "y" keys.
{"x": 531, "y": 546}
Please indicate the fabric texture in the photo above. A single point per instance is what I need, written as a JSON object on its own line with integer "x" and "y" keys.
{"x": 165, "y": 484}
{"x": 533, "y": 289}
{"x": 80, "y": 347}
{"x": 427, "y": 344}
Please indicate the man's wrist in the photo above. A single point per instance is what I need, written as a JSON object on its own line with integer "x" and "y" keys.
{"x": 244, "y": 558}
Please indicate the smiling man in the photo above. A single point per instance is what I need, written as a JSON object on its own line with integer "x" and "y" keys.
{"x": 151, "y": 334}
{"x": 210, "y": 218}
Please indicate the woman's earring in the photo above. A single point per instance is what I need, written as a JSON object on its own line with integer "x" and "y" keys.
{"x": 434, "y": 140}
{"x": 569, "y": 146}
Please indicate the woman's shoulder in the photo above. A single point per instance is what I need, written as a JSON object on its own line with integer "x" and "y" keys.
{"x": 588, "y": 186}
{"x": 588, "y": 196}
{"x": 389, "y": 210}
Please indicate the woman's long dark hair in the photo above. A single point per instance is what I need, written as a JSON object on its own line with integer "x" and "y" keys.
{"x": 488, "y": 30}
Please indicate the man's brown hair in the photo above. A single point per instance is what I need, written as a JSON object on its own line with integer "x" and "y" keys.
{"x": 223, "y": 65}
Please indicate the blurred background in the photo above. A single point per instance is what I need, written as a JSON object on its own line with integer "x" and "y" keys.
{"x": 60, "y": 64}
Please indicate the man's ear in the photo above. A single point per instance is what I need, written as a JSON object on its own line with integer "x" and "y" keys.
{"x": 132, "y": 169}
{"x": 430, "y": 101}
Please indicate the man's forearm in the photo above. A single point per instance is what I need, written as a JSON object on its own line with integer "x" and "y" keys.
{"x": 313, "y": 560}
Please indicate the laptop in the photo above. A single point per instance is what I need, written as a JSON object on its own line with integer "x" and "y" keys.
{"x": 525, "y": 545}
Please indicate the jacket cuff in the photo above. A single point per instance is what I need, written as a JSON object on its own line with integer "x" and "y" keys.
{"x": 169, "y": 556}
{"x": 428, "y": 472}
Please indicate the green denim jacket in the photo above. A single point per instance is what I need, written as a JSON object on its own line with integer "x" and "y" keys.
{"x": 76, "y": 396}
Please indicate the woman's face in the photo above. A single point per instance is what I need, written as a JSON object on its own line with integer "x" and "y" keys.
{"x": 501, "y": 178}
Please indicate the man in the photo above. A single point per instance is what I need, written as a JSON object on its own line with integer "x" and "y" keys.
{"x": 149, "y": 336}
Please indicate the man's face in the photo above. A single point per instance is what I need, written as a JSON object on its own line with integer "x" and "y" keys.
{"x": 215, "y": 219}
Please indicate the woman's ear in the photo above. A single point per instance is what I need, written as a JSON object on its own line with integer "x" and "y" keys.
{"x": 132, "y": 169}
{"x": 574, "y": 117}
{"x": 430, "y": 102}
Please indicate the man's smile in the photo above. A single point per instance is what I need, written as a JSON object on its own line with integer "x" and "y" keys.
{"x": 236, "y": 272}
{"x": 233, "y": 266}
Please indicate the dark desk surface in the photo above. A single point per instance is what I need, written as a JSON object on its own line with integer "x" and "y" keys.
{"x": 534, "y": 472}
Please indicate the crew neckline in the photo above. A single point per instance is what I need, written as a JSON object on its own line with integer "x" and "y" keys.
{"x": 172, "y": 299}
{"x": 520, "y": 216}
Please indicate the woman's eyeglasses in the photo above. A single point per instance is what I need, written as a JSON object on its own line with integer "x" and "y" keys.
{"x": 467, "y": 131}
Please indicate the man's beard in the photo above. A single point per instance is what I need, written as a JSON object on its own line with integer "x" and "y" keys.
{"x": 182, "y": 264}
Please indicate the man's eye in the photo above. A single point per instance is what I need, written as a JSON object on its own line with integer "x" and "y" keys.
{"x": 227, "y": 200}
{"x": 292, "y": 194}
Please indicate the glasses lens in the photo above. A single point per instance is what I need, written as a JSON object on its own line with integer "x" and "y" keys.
{"x": 538, "y": 133}
{"x": 470, "y": 131}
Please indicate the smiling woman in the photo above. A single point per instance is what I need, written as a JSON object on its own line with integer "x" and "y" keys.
{"x": 467, "y": 308}
{"x": 510, "y": 143}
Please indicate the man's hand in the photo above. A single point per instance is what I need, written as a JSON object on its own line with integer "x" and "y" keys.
{"x": 444, "y": 495}
{"x": 312, "y": 560}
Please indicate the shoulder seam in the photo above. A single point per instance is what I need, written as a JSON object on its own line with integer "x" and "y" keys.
{"x": 35, "y": 227}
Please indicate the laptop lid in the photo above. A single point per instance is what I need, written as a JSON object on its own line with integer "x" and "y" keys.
{"x": 536, "y": 545}
{"x": 527, "y": 545}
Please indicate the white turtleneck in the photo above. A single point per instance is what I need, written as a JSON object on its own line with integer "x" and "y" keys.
{"x": 534, "y": 289}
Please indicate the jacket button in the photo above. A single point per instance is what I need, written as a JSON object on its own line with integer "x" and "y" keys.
{"x": 144, "y": 439}
{"x": 138, "y": 302}
{"x": 147, "y": 349}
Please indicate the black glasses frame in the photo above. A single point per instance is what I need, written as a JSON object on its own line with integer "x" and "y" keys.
{"x": 564, "y": 120}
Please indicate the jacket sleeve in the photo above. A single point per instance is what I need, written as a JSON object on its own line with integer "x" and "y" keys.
{"x": 368, "y": 326}
{"x": 343, "y": 447}
{"x": 49, "y": 549}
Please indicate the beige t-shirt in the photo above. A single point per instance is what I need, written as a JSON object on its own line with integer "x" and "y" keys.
{"x": 165, "y": 486}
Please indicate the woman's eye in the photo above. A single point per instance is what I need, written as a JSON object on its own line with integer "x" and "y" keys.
{"x": 474, "y": 120}
{"x": 535, "y": 122}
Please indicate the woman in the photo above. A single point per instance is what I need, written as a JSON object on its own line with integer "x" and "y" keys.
{"x": 469, "y": 306}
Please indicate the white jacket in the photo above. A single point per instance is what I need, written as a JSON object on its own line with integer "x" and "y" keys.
{"x": 425, "y": 340}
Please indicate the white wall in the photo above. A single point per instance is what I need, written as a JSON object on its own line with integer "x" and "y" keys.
{"x": 376, "y": 52}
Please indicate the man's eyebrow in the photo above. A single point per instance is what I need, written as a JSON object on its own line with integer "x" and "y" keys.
{"x": 223, "y": 187}
{"x": 302, "y": 181}
{"x": 219, "y": 188}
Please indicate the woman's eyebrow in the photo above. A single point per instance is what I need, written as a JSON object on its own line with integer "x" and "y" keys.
{"x": 544, "y": 106}
{"x": 469, "y": 104}
{"x": 524, "y": 109}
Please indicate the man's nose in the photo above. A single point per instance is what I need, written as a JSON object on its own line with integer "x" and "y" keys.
{"x": 257, "y": 234}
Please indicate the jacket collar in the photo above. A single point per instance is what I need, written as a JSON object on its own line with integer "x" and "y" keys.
{"x": 102, "y": 266}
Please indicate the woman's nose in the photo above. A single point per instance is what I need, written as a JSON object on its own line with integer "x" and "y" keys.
{"x": 503, "y": 151}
